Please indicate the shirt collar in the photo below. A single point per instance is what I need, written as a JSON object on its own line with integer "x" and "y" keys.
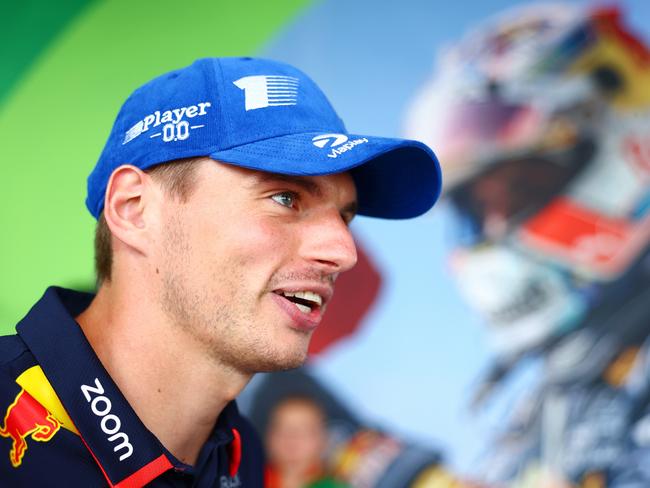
{"x": 126, "y": 451}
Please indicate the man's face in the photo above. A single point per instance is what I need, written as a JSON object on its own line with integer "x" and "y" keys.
{"x": 231, "y": 256}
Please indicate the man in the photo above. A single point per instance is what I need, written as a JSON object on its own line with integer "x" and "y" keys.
{"x": 212, "y": 266}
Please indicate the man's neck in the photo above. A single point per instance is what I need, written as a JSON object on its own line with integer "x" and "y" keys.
{"x": 174, "y": 388}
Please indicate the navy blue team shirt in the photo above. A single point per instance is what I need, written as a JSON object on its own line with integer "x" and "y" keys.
{"x": 66, "y": 423}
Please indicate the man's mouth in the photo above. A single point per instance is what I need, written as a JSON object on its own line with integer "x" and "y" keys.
{"x": 305, "y": 301}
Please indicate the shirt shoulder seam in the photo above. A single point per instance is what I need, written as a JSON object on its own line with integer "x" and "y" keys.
{"x": 6, "y": 362}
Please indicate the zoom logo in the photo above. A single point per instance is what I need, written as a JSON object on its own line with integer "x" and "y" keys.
{"x": 110, "y": 423}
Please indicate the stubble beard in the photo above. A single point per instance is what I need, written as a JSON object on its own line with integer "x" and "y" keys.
{"x": 233, "y": 341}
{"x": 220, "y": 324}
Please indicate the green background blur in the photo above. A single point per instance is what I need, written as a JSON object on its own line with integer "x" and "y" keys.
{"x": 66, "y": 68}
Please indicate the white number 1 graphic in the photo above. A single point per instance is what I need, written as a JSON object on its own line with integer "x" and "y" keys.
{"x": 263, "y": 91}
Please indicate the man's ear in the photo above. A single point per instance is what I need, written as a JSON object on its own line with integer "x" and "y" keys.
{"x": 126, "y": 199}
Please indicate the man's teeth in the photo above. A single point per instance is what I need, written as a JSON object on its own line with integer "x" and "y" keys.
{"x": 303, "y": 308}
{"x": 305, "y": 295}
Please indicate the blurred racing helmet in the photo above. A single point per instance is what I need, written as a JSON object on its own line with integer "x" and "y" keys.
{"x": 541, "y": 118}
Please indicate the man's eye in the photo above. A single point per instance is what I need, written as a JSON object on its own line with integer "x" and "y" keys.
{"x": 286, "y": 199}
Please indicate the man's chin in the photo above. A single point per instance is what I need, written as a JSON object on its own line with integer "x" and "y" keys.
{"x": 270, "y": 367}
{"x": 278, "y": 363}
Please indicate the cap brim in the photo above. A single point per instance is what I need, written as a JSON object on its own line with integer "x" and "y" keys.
{"x": 395, "y": 178}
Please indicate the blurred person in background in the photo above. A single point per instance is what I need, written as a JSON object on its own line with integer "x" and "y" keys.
{"x": 542, "y": 122}
{"x": 297, "y": 411}
{"x": 296, "y": 441}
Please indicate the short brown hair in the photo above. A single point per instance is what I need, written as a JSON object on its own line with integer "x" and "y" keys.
{"x": 177, "y": 179}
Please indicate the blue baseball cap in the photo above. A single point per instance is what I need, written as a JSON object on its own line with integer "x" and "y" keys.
{"x": 268, "y": 116}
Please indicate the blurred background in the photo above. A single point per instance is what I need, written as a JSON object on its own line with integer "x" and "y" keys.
{"x": 501, "y": 338}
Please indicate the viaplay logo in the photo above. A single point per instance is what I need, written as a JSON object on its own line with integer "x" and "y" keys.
{"x": 339, "y": 143}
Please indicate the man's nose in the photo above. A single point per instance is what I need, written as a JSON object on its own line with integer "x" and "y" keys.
{"x": 329, "y": 243}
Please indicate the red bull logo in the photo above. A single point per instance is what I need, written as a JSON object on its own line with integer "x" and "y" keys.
{"x": 27, "y": 418}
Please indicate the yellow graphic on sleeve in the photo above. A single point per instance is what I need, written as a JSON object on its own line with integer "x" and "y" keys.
{"x": 34, "y": 382}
